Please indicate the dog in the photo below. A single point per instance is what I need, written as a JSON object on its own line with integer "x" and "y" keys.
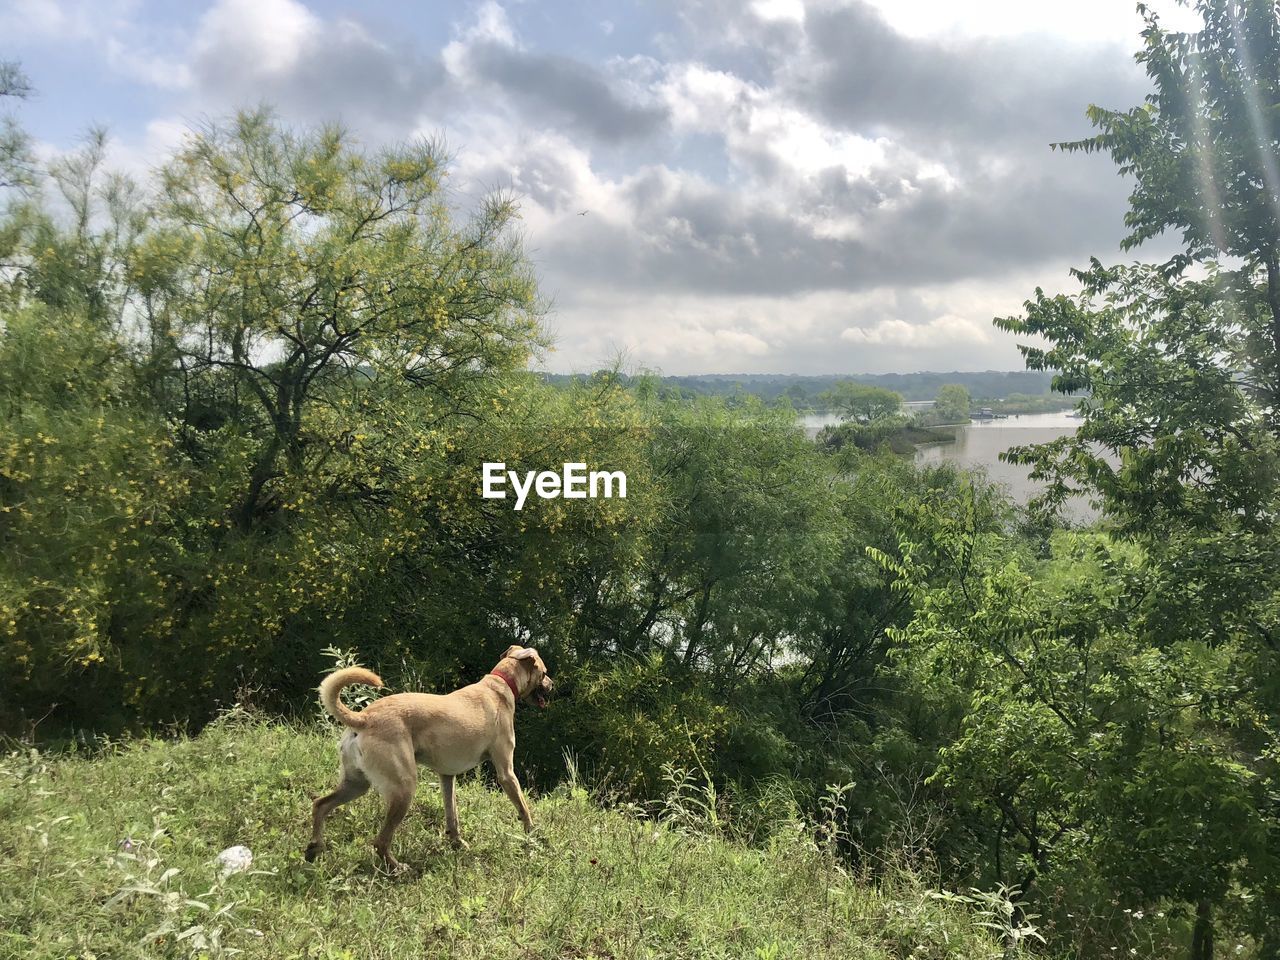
{"x": 450, "y": 734}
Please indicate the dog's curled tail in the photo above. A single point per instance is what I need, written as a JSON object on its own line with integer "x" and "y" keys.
{"x": 332, "y": 686}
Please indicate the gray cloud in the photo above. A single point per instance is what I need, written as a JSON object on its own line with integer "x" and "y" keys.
{"x": 985, "y": 110}
{"x": 326, "y": 70}
{"x": 318, "y": 69}
{"x": 567, "y": 91}
{"x": 692, "y": 235}
{"x": 861, "y": 75}
{"x": 960, "y": 186}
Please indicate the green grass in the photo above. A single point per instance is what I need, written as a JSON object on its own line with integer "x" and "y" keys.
{"x": 592, "y": 882}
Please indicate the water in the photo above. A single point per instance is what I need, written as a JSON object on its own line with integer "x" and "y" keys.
{"x": 980, "y": 443}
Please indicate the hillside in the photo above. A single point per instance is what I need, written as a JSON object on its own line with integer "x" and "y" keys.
{"x": 593, "y": 883}
{"x": 802, "y": 389}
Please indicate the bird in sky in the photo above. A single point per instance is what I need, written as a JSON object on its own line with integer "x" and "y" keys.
{"x": 583, "y": 213}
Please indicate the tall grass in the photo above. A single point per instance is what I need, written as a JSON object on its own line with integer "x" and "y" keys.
{"x": 114, "y": 856}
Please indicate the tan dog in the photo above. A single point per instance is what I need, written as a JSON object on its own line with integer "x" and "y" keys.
{"x": 449, "y": 733}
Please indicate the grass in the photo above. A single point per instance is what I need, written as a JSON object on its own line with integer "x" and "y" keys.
{"x": 113, "y": 857}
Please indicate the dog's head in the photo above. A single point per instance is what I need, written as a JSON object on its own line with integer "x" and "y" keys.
{"x": 531, "y": 674}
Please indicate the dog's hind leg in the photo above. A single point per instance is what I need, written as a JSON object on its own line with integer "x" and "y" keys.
{"x": 394, "y": 774}
{"x": 398, "y": 800}
{"x": 353, "y": 785}
{"x": 451, "y": 812}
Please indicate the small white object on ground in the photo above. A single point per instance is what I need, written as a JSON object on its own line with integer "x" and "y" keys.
{"x": 235, "y": 859}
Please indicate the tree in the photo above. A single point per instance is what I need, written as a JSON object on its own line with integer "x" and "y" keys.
{"x": 282, "y": 263}
{"x": 1082, "y": 756}
{"x": 797, "y": 394}
{"x": 856, "y": 401}
{"x": 1180, "y": 442}
{"x": 16, "y": 161}
{"x": 279, "y": 357}
{"x": 951, "y": 405}
{"x": 1202, "y": 152}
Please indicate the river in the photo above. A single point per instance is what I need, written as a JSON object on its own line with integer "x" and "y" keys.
{"x": 979, "y": 443}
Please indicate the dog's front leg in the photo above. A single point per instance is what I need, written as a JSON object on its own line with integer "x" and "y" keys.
{"x": 504, "y": 768}
{"x": 451, "y": 812}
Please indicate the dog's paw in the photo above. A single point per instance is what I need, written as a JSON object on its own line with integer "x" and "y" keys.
{"x": 459, "y": 844}
{"x": 535, "y": 840}
{"x": 397, "y": 870}
{"x": 313, "y": 850}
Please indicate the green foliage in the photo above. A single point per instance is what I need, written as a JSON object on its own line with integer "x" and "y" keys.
{"x": 1145, "y": 695}
{"x": 219, "y": 406}
{"x": 1082, "y": 750}
{"x": 951, "y": 405}
{"x": 16, "y": 160}
{"x": 1201, "y": 148}
{"x": 638, "y": 718}
{"x": 858, "y": 402}
{"x": 801, "y": 391}
{"x": 242, "y": 415}
{"x": 88, "y": 504}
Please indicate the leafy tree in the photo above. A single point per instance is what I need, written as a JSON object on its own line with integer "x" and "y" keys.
{"x": 1180, "y": 442}
{"x": 1202, "y": 152}
{"x": 730, "y": 564}
{"x": 856, "y": 401}
{"x": 798, "y": 395}
{"x": 1084, "y": 755}
{"x": 951, "y": 405}
{"x": 301, "y": 341}
{"x": 17, "y": 167}
{"x": 283, "y": 263}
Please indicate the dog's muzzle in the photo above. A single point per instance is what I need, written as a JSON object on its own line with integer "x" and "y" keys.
{"x": 540, "y": 693}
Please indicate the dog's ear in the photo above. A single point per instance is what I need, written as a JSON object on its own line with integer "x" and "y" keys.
{"x": 511, "y": 651}
{"x": 526, "y": 653}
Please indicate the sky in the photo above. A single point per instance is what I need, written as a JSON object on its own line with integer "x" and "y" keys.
{"x": 774, "y": 186}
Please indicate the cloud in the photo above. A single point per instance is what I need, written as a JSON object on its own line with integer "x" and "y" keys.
{"x": 46, "y": 19}
{"x": 779, "y": 185}
{"x": 246, "y": 52}
{"x": 858, "y": 73}
{"x": 678, "y": 342}
{"x": 261, "y": 38}
{"x": 559, "y": 89}
{"x": 941, "y": 331}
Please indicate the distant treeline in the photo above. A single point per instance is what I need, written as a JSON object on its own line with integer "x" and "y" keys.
{"x": 804, "y": 390}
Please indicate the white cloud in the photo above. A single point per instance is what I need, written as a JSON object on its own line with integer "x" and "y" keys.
{"x": 162, "y": 138}
{"x": 1078, "y": 20}
{"x": 491, "y": 25}
{"x": 678, "y": 340}
{"x": 750, "y": 224}
{"x": 941, "y": 331}
{"x": 146, "y": 66}
{"x": 761, "y": 130}
{"x": 46, "y": 19}
{"x": 790, "y": 10}
{"x": 263, "y": 37}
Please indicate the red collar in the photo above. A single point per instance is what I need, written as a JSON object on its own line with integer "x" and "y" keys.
{"x": 508, "y": 681}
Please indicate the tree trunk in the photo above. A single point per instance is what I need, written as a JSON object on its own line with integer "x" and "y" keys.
{"x": 694, "y": 637}
{"x": 1202, "y": 935}
{"x": 1271, "y": 365}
